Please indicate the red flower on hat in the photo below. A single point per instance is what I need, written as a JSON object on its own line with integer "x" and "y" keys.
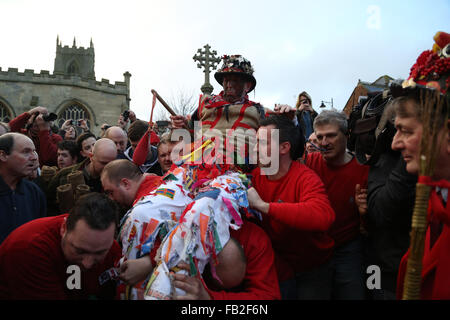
{"x": 433, "y": 66}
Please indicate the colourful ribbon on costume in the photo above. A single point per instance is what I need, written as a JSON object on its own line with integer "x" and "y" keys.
{"x": 237, "y": 219}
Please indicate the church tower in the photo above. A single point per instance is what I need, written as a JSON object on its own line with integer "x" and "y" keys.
{"x": 74, "y": 61}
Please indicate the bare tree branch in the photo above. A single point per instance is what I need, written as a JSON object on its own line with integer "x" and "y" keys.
{"x": 183, "y": 103}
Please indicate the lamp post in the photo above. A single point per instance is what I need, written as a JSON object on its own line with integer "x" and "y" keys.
{"x": 324, "y": 106}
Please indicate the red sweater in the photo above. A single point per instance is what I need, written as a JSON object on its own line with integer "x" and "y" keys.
{"x": 260, "y": 282}
{"x": 340, "y": 185}
{"x": 33, "y": 266}
{"x": 435, "y": 284}
{"x": 298, "y": 218}
{"x": 46, "y": 143}
{"x": 18, "y": 123}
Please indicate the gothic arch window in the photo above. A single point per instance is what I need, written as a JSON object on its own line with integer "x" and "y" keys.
{"x": 5, "y": 113}
{"x": 73, "y": 68}
{"x": 74, "y": 111}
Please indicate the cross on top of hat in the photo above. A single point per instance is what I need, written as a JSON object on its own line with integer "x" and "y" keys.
{"x": 206, "y": 59}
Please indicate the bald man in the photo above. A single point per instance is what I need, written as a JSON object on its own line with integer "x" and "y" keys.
{"x": 20, "y": 200}
{"x": 230, "y": 274}
{"x": 245, "y": 269}
{"x": 120, "y": 138}
{"x": 231, "y": 267}
{"x": 104, "y": 152}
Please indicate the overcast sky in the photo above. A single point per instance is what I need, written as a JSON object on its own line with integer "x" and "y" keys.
{"x": 322, "y": 47}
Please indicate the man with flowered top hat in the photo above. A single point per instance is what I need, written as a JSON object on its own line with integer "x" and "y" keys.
{"x": 231, "y": 109}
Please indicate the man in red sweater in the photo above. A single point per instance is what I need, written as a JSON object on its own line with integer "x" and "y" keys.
{"x": 45, "y": 141}
{"x": 63, "y": 257}
{"x": 340, "y": 173}
{"x": 296, "y": 213}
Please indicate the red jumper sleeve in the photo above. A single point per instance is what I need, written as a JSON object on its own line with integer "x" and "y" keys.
{"x": 19, "y": 122}
{"x": 312, "y": 213}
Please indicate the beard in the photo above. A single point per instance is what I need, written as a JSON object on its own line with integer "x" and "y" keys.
{"x": 233, "y": 94}
{"x": 232, "y": 98}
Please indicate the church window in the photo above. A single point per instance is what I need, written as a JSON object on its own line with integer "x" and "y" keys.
{"x": 76, "y": 112}
{"x": 5, "y": 114}
{"x": 73, "y": 68}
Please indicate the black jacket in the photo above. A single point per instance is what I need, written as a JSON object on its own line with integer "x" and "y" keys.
{"x": 390, "y": 199}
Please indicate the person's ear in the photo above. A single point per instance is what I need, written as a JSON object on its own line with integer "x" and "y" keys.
{"x": 3, "y": 156}
{"x": 126, "y": 183}
{"x": 285, "y": 147}
{"x": 63, "y": 229}
{"x": 247, "y": 86}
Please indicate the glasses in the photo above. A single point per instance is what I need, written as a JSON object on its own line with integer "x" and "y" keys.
{"x": 304, "y": 101}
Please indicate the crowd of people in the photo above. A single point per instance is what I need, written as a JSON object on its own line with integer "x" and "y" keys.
{"x": 127, "y": 206}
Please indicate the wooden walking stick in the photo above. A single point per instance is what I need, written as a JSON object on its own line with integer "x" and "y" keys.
{"x": 431, "y": 107}
{"x": 168, "y": 108}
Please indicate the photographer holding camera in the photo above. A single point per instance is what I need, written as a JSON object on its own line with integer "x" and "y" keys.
{"x": 124, "y": 118}
{"x": 69, "y": 130}
{"x": 36, "y": 124}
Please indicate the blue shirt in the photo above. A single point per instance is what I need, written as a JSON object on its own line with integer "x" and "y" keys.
{"x": 20, "y": 206}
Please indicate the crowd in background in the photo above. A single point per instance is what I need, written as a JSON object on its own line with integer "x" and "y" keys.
{"x": 74, "y": 148}
{"x": 333, "y": 221}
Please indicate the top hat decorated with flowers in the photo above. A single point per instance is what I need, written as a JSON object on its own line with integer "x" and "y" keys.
{"x": 236, "y": 64}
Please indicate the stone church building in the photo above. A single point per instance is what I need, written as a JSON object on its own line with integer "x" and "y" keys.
{"x": 72, "y": 91}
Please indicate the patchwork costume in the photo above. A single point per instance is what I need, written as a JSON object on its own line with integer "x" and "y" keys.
{"x": 158, "y": 206}
{"x": 201, "y": 233}
{"x": 197, "y": 206}
{"x": 200, "y": 199}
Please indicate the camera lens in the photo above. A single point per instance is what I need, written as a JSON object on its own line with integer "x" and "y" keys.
{"x": 50, "y": 117}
